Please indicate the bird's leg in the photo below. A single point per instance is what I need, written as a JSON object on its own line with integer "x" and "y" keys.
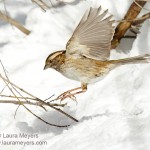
{"x": 68, "y": 94}
{"x": 71, "y": 94}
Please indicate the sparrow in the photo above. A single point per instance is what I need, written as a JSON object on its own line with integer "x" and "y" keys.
{"x": 86, "y": 58}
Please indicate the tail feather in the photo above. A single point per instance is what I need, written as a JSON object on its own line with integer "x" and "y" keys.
{"x": 133, "y": 60}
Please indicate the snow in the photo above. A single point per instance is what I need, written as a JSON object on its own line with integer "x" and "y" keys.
{"x": 113, "y": 114}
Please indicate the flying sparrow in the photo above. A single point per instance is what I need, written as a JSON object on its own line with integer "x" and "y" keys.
{"x": 86, "y": 58}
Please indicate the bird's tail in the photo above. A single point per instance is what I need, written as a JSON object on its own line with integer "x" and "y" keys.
{"x": 133, "y": 60}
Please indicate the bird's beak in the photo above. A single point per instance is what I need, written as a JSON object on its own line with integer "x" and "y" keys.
{"x": 45, "y": 67}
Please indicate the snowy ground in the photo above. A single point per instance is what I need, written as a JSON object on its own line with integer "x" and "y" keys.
{"x": 114, "y": 113}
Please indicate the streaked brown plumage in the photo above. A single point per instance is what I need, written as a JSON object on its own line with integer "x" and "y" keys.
{"x": 87, "y": 52}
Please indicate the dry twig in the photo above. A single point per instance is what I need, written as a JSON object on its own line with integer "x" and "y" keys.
{"x": 41, "y": 4}
{"x": 30, "y": 100}
{"x": 122, "y": 27}
{"x": 14, "y": 22}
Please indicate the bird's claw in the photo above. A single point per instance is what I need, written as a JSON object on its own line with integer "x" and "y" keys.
{"x": 65, "y": 95}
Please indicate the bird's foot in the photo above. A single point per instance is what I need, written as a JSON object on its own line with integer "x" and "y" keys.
{"x": 65, "y": 95}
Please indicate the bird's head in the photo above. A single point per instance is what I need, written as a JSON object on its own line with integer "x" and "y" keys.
{"x": 54, "y": 60}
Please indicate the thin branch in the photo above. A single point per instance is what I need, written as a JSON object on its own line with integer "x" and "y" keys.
{"x": 7, "y": 80}
{"x": 141, "y": 19}
{"x": 129, "y": 37}
{"x": 42, "y": 102}
{"x": 137, "y": 20}
{"x": 3, "y": 89}
{"x": 29, "y": 103}
{"x": 41, "y": 4}
{"x": 16, "y": 111}
{"x": 10, "y": 96}
{"x": 32, "y": 112}
{"x": 136, "y": 2}
{"x": 15, "y": 23}
{"x": 35, "y": 98}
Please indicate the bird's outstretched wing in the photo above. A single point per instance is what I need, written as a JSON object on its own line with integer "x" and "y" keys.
{"x": 92, "y": 37}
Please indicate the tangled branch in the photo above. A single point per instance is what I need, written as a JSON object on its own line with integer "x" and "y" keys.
{"x": 17, "y": 98}
{"x": 129, "y": 21}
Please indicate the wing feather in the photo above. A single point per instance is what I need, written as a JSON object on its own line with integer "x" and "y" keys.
{"x": 92, "y": 37}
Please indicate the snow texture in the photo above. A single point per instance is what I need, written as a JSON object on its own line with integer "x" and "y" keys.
{"x": 114, "y": 114}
